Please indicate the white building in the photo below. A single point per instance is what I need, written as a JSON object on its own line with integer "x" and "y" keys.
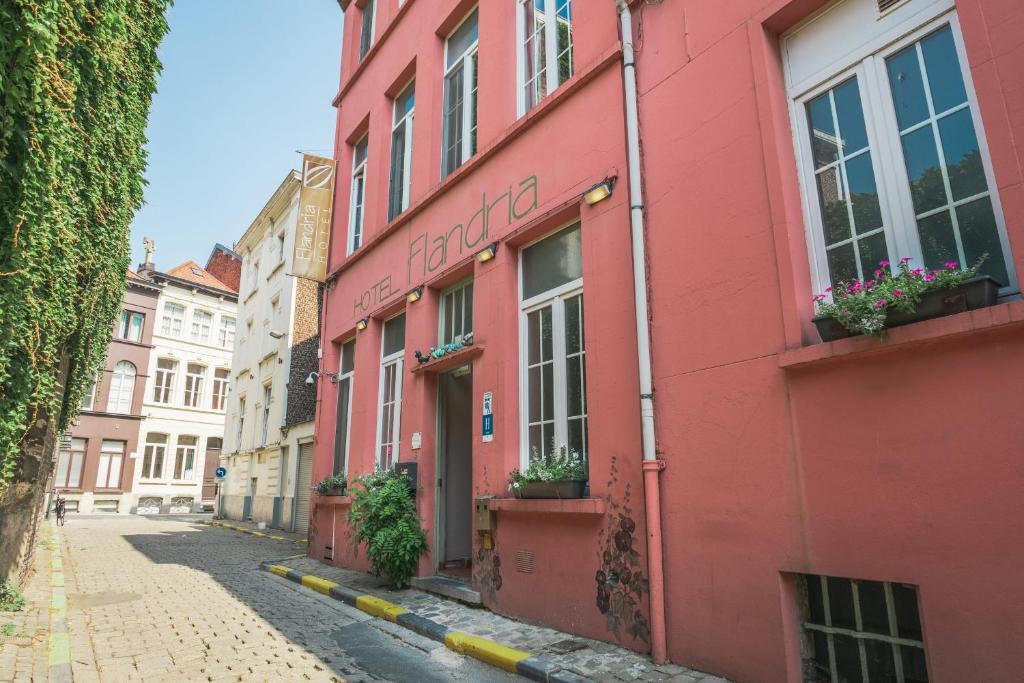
{"x": 269, "y": 436}
{"x": 187, "y": 390}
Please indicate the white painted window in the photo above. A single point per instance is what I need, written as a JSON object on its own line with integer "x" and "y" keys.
{"x": 458, "y": 134}
{"x": 163, "y": 380}
{"x": 122, "y": 388}
{"x": 130, "y": 326}
{"x": 265, "y": 425}
{"x": 343, "y": 416}
{"x": 545, "y": 49}
{"x": 69, "y": 465}
{"x": 456, "y": 317}
{"x": 89, "y": 395}
{"x": 173, "y": 321}
{"x": 389, "y": 404}
{"x": 221, "y": 382}
{"x": 202, "y": 325}
{"x": 892, "y": 153}
{"x": 185, "y": 458}
{"x": 241, "y": 423}
{"x": 226, "y": 334}
{"x": 153, "y": 456}
{"x": 553, "y": 403}
{"x": 358, "y": 203}
{"x": 280, "y": 247}
{"x": 255, "y": 275}
{"x": 856, "y": 630}
{"x": 108, "y": 471}
{"x": 401, "y": 152}
{"x": 195, "y": 378}
{"x": 368, "y": 21}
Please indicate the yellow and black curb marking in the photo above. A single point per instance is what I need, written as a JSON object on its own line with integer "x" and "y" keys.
{"x": 59, "y": 645}
{"x": 487, "y": 651}
{"x": 253, "y": 532}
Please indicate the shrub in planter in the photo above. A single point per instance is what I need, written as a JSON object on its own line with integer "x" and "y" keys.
{"x": 563, "y": 474}
{"x": 383, "y": 517}
{"x": 332, "y": 486}
{"x": 891, "y": 298}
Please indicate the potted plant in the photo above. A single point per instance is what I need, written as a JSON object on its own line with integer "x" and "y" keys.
{"x": 333, "y": 485}
{"x": 908, "y": 295}
{"x": 562, "y": 474}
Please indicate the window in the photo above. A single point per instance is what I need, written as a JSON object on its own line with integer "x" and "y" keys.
{"x": 185, "y": 458}
{"x": 265, "y": 425}
{"x": 122, "y": 388}
{"x": 202, "y": 324}
{"x": 163, "y": 385}
{"x": 153, "y": 456}
{"x": 389, "y": 415}
{"x": 280, "y": 247}
{"x": 401, "y": 152}
{"x": 355, "y": 217}
{"x": 275, "y": 311}
{"x": 89, "y": 395}
{"x": 130, "y": 327}
{"x": 195, "y": 375}
{"x": 173, "y": 321}
{"x": 553, "y": 356}
{"x": 369, "y": 18}
{"x": 108, "y": 473}
{"x": 343, "y": 418}
{"x": 460, "y": 86}
{"x": 893, "y": 165}
{"x": 860, "y": 631}
{"x": 241, "y": 423}
{"x": 456, "y": 312}
{"x": 221, "y": 382}
{"x": 69, "y": 465}
{"x": 226, "y": 334}
{"x": 545, "y": 41}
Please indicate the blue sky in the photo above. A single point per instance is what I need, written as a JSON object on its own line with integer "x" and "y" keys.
{"x": 245, "y": 83}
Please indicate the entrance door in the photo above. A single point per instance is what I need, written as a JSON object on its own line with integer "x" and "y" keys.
{"x": 455, "y": 468}
{"x": 302, "y": 487}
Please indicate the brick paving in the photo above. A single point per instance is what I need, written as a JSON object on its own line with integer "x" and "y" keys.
{"x": 24, "y": 634}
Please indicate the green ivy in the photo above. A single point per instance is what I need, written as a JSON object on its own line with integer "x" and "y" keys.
{"x": 76, "y": 81}
{"x": 383, "y": 517}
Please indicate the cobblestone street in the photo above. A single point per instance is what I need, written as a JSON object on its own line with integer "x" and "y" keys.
{"x": 168, "y": 599}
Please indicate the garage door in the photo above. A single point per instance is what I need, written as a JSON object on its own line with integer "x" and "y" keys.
{"x": 302, "y": 487}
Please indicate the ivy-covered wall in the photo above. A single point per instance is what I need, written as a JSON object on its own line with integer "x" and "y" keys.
{"x": 76, "y": 81}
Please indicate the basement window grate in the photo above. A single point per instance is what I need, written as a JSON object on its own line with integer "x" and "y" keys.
{"x": 524, "y": 561}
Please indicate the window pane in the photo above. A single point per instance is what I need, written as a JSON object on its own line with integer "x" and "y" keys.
{"x": 342, "y": 428}
{"x": 980, "y": 235}
{"x": 914, "y": 668}
{"x": 536, "y": 441}
{"x": 872, "y": 251}
{"x": 835, "y": 216}
{"x": 452, "y": 134}
{"x": 854, "y": 135}
{"x": 842, "y": 264}
{"x": 63, "y": 462}
{"x": 366, "y": 29}
{"x": 546, "y": 348}
{"x": 847, "y": 659}
{"x": 867, "y": 214}
{"x": 348, "y": 356}
{"x": 937, "y": 240}
{"x": 533, "y": 337}
{"x": 467, "y": 303}
{"x": 102, "y": 470}
{"x": 553, "y": 262}
{"x": 963, "y": 159}
{"x": 908, "y": 621}
{"x": 577, "y": 436}
{"x": 945, "y": 79}
{"x": 824, "y": 143}
{"x": 907, "y": 87}
{"x": 75, "y": 473}
{"x": 840, "y": 599}
{"x": 881, "y": 666}
{"x": 815, "y": 604}
{"x": 574, "y": 385}
{"x": 818, "y": 668}
{"x": 405, "y": 102}
{"x": 534, "y": 381}
{"x": 462, "y": 39}
{"x": 548, "y": 391}
{"x": 397, "y": 173}
{"x": 922, "y": 162}
{"x": 394, "y": 335}
{"x": 874, "y": 613}
{"x": 563, "y": 39}
{"x": 573, "y": 325}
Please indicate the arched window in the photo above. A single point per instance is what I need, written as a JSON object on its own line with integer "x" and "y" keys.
{"x": 122, "y": 388}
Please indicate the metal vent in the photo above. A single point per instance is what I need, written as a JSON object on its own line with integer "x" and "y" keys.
{"x": 524, "y": 561}
{"x": 886, "y": 5}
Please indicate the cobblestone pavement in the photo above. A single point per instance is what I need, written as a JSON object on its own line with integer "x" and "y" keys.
{"x": 595, "y": 659}
{"x": 169, "y": 599}
{"x": 24, "y": 634}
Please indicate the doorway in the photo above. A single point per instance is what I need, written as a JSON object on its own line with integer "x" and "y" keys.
{"x": 455, "y": 473}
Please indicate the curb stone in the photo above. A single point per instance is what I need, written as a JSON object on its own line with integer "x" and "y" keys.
{"x": 58, "y": 644}
{"x": 252, "y": 532}
{"x": 485, "y": 650}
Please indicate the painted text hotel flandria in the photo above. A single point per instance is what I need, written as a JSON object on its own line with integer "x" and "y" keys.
{"x": 828, "y": 511}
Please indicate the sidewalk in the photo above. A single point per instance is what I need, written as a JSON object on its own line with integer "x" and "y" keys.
{"x": 253, "y": 529}
{"x": 589, "y": 658}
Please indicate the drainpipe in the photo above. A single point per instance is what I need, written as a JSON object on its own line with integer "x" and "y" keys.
{"x": 652, "y": 466}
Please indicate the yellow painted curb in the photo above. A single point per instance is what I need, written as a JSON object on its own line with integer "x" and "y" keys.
{"x": 278, "y": 569}
{"x": 318, "y": 584}
{"x": 371, "y": 604}
{"x": 485, "y": 650}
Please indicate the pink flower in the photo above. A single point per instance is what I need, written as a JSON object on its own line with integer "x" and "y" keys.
{"x": 916, "y": 272}
{"x": 884, "y": 264}
{"x": 906, "y": 259}
{"x": 951, "y": 264}
{"x": 881, "y": 303}
{"x": 828, "y": 289}
{"x": 878, "y": 272}
{"x": 897, "y": 292}
{"x": 929, "y": 277}
{"x": 819, "y": 297}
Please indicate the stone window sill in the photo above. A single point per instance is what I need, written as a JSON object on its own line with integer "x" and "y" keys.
{"x": 571, "y": 506}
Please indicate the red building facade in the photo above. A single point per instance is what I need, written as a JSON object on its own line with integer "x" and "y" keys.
{"x": 830, "y": 511}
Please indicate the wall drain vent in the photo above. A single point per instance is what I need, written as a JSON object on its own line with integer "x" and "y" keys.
{"x": 524, "y": 561}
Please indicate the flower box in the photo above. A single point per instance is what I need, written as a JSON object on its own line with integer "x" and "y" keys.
{"x": 336, "y": 491}
{"x": 978, "y": 292}
{"x": 550, "y": 489}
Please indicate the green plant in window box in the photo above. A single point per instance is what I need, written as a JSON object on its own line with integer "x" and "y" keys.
{"x": 383, "y": 517}
{"x": 561, "y": 474}
{"x": 333, "y": 485}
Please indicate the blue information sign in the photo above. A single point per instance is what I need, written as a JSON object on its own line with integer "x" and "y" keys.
{"x": 221, "y": 472}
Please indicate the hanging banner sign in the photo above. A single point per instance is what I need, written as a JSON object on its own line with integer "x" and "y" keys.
{"x": 316, "y": 197}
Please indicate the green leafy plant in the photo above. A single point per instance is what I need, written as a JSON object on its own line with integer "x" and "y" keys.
{"x": 862, "y": 307}
{"x": 336, "y": 481}
{"x": 562, "y": 464}
{"x": 383, "y": 517}
{"x": 11, "y": 599}
{"x": 7, "y": 629}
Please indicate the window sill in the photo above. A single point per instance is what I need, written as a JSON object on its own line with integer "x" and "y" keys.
{"x": 279, "y": 266}
{"x": 570, "y": 506}
{"x": 907, "y": 337}
{"x": 335, "y": 501}
{"x": 449, "y": 361}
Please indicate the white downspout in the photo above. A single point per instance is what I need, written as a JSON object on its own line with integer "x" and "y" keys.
{"x": 652, "y": 466}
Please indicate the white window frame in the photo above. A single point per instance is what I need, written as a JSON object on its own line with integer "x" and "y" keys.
{"x": 182, "y": 450}
{"x": 92, "y": 393}
{"x": 161, "y": 383}
{"x": 468, "y": 100}
{"x": 202, "y": 328}
{"x": 404, "y": 122}
{"x": 268, "y": 397}
{"x": 125, "y": 326}
{"x": 370, "y": 5}
{"x": 396, "y": 360}
{"x": 108, "y": 455}
{"x": 350, "y": 377}
{"x": 883, "y": 131}
{"x": 194, "y": 385}
{"x": 241, "y": 423}
{"x": 122, "y": 389}
{"x": 226, "y": 332}
{"x": 154, "y": 476}
{"x": 220, "y": 389}
{"x": 70, "y": 462}
{"x": 172, "y": 323}
{"x": 442, "y": 318}
{"x": 550, "y": 52}
{"x": 356, "y": 224}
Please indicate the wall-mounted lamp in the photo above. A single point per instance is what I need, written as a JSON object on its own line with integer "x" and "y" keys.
{"x": 599, "y": 192}
{"x": 487, "y": 253}
{"x": 414, "y": 295}
{"x": 314, "y": 376}
{"x": 362, "y": 323}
